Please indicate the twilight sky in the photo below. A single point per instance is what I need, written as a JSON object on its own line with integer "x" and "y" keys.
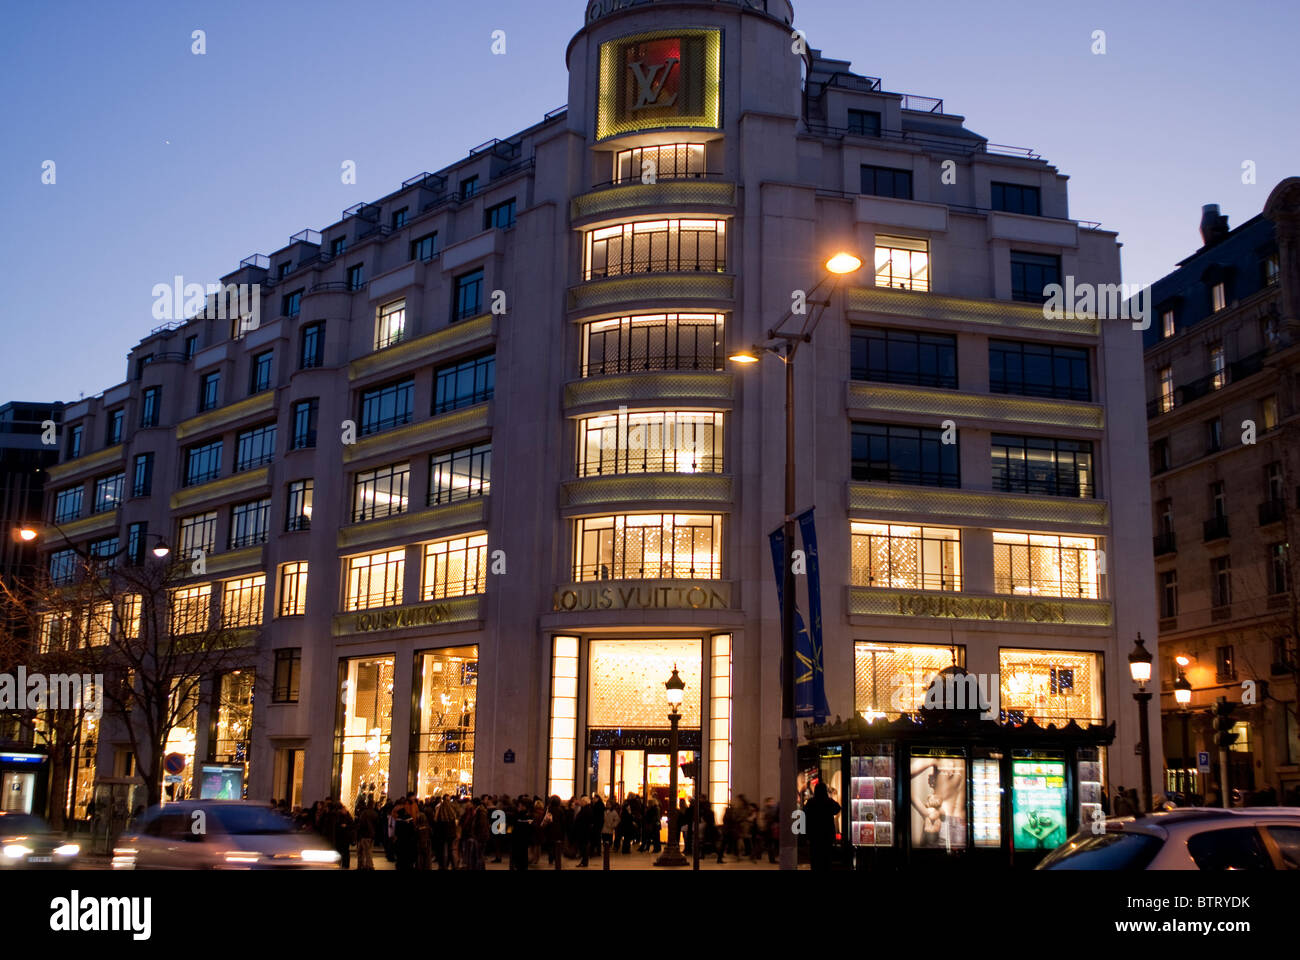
{"x": 170, "y": 163}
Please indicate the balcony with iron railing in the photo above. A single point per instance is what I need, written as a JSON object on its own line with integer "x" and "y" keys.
{"x": 1216, "y": 528}
{"x": 1164, "y": 543}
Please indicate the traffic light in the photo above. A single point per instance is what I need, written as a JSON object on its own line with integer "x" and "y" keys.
{"x": 1223, "y": 722}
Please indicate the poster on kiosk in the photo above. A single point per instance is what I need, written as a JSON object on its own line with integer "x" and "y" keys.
{"x": 1038, "y": 803}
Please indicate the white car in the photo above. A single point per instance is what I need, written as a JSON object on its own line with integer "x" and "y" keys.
{"x": 219, "y": 835}
{"x": 1188, "y": 838}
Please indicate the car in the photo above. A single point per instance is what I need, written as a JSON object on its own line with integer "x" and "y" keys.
{"x": 219, "y": 835}
{"x": 27, "y": 842}
{"x": 1187, "y": 838}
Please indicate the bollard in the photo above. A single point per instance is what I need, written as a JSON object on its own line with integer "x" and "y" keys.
{"x": 605, "y": 854}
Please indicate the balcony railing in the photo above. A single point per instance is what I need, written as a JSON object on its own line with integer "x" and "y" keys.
{"x": 1216, "y": 528}
{"x": 1163, "y": 543}
{"x": 648, "y": 570}
{"x": 1272, "y": 511}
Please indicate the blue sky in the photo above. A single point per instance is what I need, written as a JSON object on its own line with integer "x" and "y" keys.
{"x": 170, "y": 163}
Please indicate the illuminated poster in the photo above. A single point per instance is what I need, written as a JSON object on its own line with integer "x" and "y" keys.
{"x": 221, "y": 781}
{"x": 670, "y": 78}
{"x": 938, "y": 793}
{"x": 1038, "y": 804}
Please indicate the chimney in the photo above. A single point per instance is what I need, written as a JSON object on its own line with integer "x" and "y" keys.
{"x": 1214, "y": 226}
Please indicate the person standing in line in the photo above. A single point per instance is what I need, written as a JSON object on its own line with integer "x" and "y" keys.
{"x": 367, "y": 820}
{"x": 823, "y": 814}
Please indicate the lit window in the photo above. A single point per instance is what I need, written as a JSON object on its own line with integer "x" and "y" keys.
{"x": 390, "y": 328}
{"x": 1045, "y": 565}
{"x": 1166, "y": 378}
{"x": 293, "y": 589}
{"x": 650, "y": 442}
{"x": 892, "y": 679}
{"x": 241, "y": 601}
{"x": 1167, "y": 324}
{"x": 673, "y": 341}
{"x": 455, "y": 568}
{"x": 902, "y": 263}
{"x": 375, "y": 580}
{"x": 460, "y": 474}
{"x": 562, "y": 762}
{"x": 381, "y": 492}
{"x": 191, "y": 607}
{"x": 198, "y": 533}
{"x": 363, "y": 744}
{"x": 1268, "y": 412}
{"x": 1218, "y": 367}
{"x": 649, "y": 547}
{"x": 656, "y": 246}
{"x": 911, "y": 558}
{"x": 1218, "y": 297}
{"x": 1051, "y": 686}
{"x": 670, "y": 161}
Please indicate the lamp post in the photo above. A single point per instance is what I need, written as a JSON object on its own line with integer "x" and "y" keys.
{"x": 784, "y": 345}
{"x": 1139, "y": 665}
{"x": 672, "y": 855}
{"x": 1183, "y": 695}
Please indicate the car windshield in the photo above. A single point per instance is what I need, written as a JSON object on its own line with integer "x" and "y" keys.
{"x": 15, "y": 824}
{"x": 249, "y": 821}
{"x": 1107, "y": 851}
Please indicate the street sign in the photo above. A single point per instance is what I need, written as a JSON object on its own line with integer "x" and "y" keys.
{"x": 1203, "y": 761}
{"x": 174, "y": 762}
{"x": 510, "y": 756}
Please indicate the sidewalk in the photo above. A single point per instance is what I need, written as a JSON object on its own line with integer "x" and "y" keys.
{"x": 617, "y": 861}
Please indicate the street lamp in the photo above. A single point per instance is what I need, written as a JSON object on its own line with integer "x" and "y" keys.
{"x": 1139, "y": 665}
{"x": 27, "y": 533}
{"x": 784, "y": 345}
{"x": 1183, "y": 696}
{"x": 672, "y": 856}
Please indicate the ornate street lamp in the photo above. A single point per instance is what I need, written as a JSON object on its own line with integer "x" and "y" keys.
{"x": 672, "y": 855}
{"x": 1139, "y": 665}
{"x": 1183, "y": 696}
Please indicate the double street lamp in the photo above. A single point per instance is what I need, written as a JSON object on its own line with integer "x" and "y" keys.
{"x": 783, "y": 345}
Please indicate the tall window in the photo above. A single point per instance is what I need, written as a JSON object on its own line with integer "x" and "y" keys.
{"x": 673, "y": 341}
{"x": 1274, "y": 482}
{"x": 1277, "y": 574}
{"x": 864, "y": 123}
{"x": 1039, "y": 370}
{"x": 293, "y": 589}
{"x": 304, "y": 423}
{"x": 106, "y": 551}
{"x": 1050, "y": 686}
{"x": 1213, "y": 435}
{"x": 669, "y": 161}
{"x": 142, "y": 475}
{"x": 381, "y": 492}
{"x": 241, "y": 601}
{"x": 888, "y": 453}
{"x": 1218, "y": 297}
{"x": 500, "y": 217}
{"x": 425, "y": 247}
{"x": 1269, "y": 269}
{"x": 656, "y": 246}
{"x": 892, "y": 679}
{"x": 113, "y": 434}
{"x": 901, "y": 356}
{"x": 375, "y": 580}
{"x": 1167, "y": 328}
{"x": 1225, "y": 663}
{"x": 1040, "y": 465}
{"x": 903, "y": 557}
{"x": 1169, "y": 593}
{"x": 191, "y": 609}
{"x": 1015, "y": 198}
{"x": 259, "y": 371}
{"x": 150, "y": 399}
{"x": 249, "y": 523}
{"x": 356, "y": 277}
{"x": 1031, "y": 273}
{"x": 209, "y": 391}
{"x": 137, "y": 534}
{"x": 1045, "y": 565}
{"x": 649, "y": 547}
{"x": 650, "y": 441}
{"x": 109, "y": 492}
{"x": 1165, "y": 377}
{"x": 338, "y": 245}
{"x": 467, "y": 295}
{"x": 399, "y": 218}
{"x": 254, "y": 447}
{"x": 192, "y": 342}
{"x": 455, "y": 568}
{"x": 74, "y": 441}
{"x": 390, "y": 326}
{"x": 67, "y": 504}
{"x": 198, "y": 533}
{"x": 1218, "y": 367}
{"x": 288, "y": 675}
{"x": 468, "y": 187}
{"x": 886, "y": 182}
{"x": 64, "y": 565}
{"x": 460, "y": 474}
{"x": 464, "y": 383}
{"x": 298, "y": 506}
{"x": 383, "y": 408}
{"x": 311, "y": 348}
{"x": 291, "y": 303}
{"x": 902, "y": 263}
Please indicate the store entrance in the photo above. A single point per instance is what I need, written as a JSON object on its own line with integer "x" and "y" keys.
{"x": 618, "y": 774}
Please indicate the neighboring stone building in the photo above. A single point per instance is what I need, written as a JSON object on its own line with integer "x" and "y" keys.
{"x": 485, "y": 476}
{"x": 1223, "y": 360}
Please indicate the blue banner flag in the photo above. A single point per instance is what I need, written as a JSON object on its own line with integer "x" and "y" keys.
{"x": 803, "y": 652}
{"x": 813, "y": 668}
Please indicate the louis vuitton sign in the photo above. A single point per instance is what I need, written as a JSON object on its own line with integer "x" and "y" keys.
{"x": 649, "y": 595}
{"x": 659, "y": 80}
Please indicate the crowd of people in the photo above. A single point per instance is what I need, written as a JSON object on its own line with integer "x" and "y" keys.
{"x": 464, "y": 833}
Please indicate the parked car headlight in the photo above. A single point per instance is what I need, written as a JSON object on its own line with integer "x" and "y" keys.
{"x": 67, "y": 850}
{"x": 16, "y": 851}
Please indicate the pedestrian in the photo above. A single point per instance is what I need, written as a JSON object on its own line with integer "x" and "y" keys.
{"x": 367, "y": 823}
{"x": 609, "y": 832}
{"x": 521, "y": 836}
{"x": 651, "y": 824}
{"x": 343, "y": 834}
{"x": 822, "y": 815}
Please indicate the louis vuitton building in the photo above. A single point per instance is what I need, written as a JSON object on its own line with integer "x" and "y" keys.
{"x": 483, "y": 472}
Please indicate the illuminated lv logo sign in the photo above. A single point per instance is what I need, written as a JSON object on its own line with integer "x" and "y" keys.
{"x": 650, "y": 85}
